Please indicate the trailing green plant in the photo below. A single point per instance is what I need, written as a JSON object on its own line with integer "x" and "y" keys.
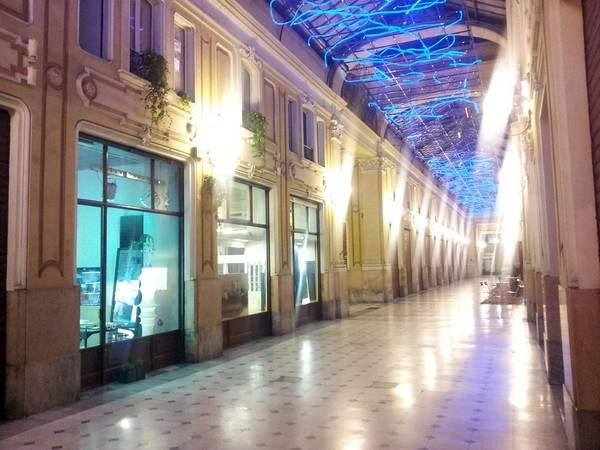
{"x": 145, "y": 243}
{"x": 208, "y": 183}
{"x": 186, "y": 101}
{"x": 217, "y": 192}
{"x": 257, "y": 123}
{"x": 154, "y": 68}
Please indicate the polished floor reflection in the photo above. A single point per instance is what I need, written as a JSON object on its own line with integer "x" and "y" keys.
{"x": 436, "y": 370}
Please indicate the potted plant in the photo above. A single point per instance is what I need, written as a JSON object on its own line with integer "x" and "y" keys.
{"x": 257, "y": 124}
{"x": 186, "y": 101}
{"x": 127, "y": 373}
{"x": 154, "y": 68}
{"x": 215, "y": 194}
{"x": 145, "y": 243}
{"x": 132, "y": 371}
{"x": 140, "y": 368}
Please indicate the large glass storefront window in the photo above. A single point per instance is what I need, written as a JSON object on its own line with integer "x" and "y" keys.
{"x": 305, "y": 241}
{"x": 128, "y": 243}
{"x": 243, "y": 250}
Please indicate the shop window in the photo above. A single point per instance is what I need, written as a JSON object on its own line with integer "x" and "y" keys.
{"x": 308, "y": 135}
{"x": 183, "y": 57}
{"x": 305, "y": 242}
{"x": 128, "y": 243}
{"x": 94, "y": 27}
{"x": 243, "y": 250}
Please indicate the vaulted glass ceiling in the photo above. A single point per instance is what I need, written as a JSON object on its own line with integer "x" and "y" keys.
{"x": 419, "y": 65}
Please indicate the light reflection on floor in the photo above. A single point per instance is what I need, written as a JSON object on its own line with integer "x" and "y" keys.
{"x": 435, "y": 370}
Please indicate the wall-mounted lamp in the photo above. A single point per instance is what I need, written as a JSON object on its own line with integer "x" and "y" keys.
{"x": 111, "y": 189}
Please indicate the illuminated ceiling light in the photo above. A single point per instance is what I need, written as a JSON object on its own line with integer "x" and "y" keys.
{"x": 344, "y": 30}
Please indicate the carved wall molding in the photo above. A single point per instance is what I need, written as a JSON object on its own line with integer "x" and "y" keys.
{"x": 121, "y": 99}
{"x": 221, "y": 7}
{"x": 309, "y": 102}
{"x": 378, "y": 163}
{"x": 337, "y": 129}
{"x": 18, "y": 192}
{"x": 249, "y": 53}
{"x": 52, "y": 178}
{"x": 54, "y": 76}
{"x": 292, "y": 169}
{"x": 89, "y": 88}
{"x": 23, "y": 52}
{"x": 109, "y": 96}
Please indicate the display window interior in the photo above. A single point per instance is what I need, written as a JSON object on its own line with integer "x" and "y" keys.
{"x": 128, "y": 243}
{"x": 243, "y": 250}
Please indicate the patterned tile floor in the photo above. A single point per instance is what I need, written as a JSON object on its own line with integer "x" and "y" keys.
{"x": 435, "y": 370}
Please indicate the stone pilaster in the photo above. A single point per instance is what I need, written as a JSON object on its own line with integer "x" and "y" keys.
{"x": 539, "y": 307}
{"x": 552, "y": 336}
{"x": 580, "y": 316}
{"x": 37, "y": 318}
{"x": 529, "y": 281}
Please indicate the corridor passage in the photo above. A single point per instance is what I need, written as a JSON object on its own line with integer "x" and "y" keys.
{"x": 435, "y": 370}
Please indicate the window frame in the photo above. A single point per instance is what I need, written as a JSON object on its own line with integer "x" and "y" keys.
{"x": 188, "y": 56}
{"x": 296, "y": 230}
{"x": 308, "y": 134}
{"x": 321, "y": 131}
{"x": 251, "y": 221}
{"x": 292, "y": 124}
{"x": 250, "y": 95}
{"x": 157, "y": 24}
{"x": 106, "y": 206}
{"x": 271, "y": 120}
{"x": 106, "y": 30}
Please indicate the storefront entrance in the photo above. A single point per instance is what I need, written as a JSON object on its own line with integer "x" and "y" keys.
{"x": 243, "y": 262}
{"x": 129, "y": 219}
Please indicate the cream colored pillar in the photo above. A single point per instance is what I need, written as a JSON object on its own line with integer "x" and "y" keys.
{"x": 282, "y": 281}
{"x": 46, "y": 310}
{"x": 335, "y": 299}
{"x": 374, "y": 284}
{"x": 207, "y": 339}
{"x": 579, "y": 279}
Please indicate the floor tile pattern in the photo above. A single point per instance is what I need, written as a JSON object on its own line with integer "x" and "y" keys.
{"x": 435, "y": 370}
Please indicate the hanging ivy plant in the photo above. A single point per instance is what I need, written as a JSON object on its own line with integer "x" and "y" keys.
{"x": 186, "y": 101}
{"x": 208, "y": 183}
{"x": 257, "y": 123}
{"x": 154, "y": 68}
{"x": 212, "y": 187}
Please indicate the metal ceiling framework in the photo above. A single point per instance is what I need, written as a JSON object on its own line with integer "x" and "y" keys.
{"x": 417, "y": 63}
